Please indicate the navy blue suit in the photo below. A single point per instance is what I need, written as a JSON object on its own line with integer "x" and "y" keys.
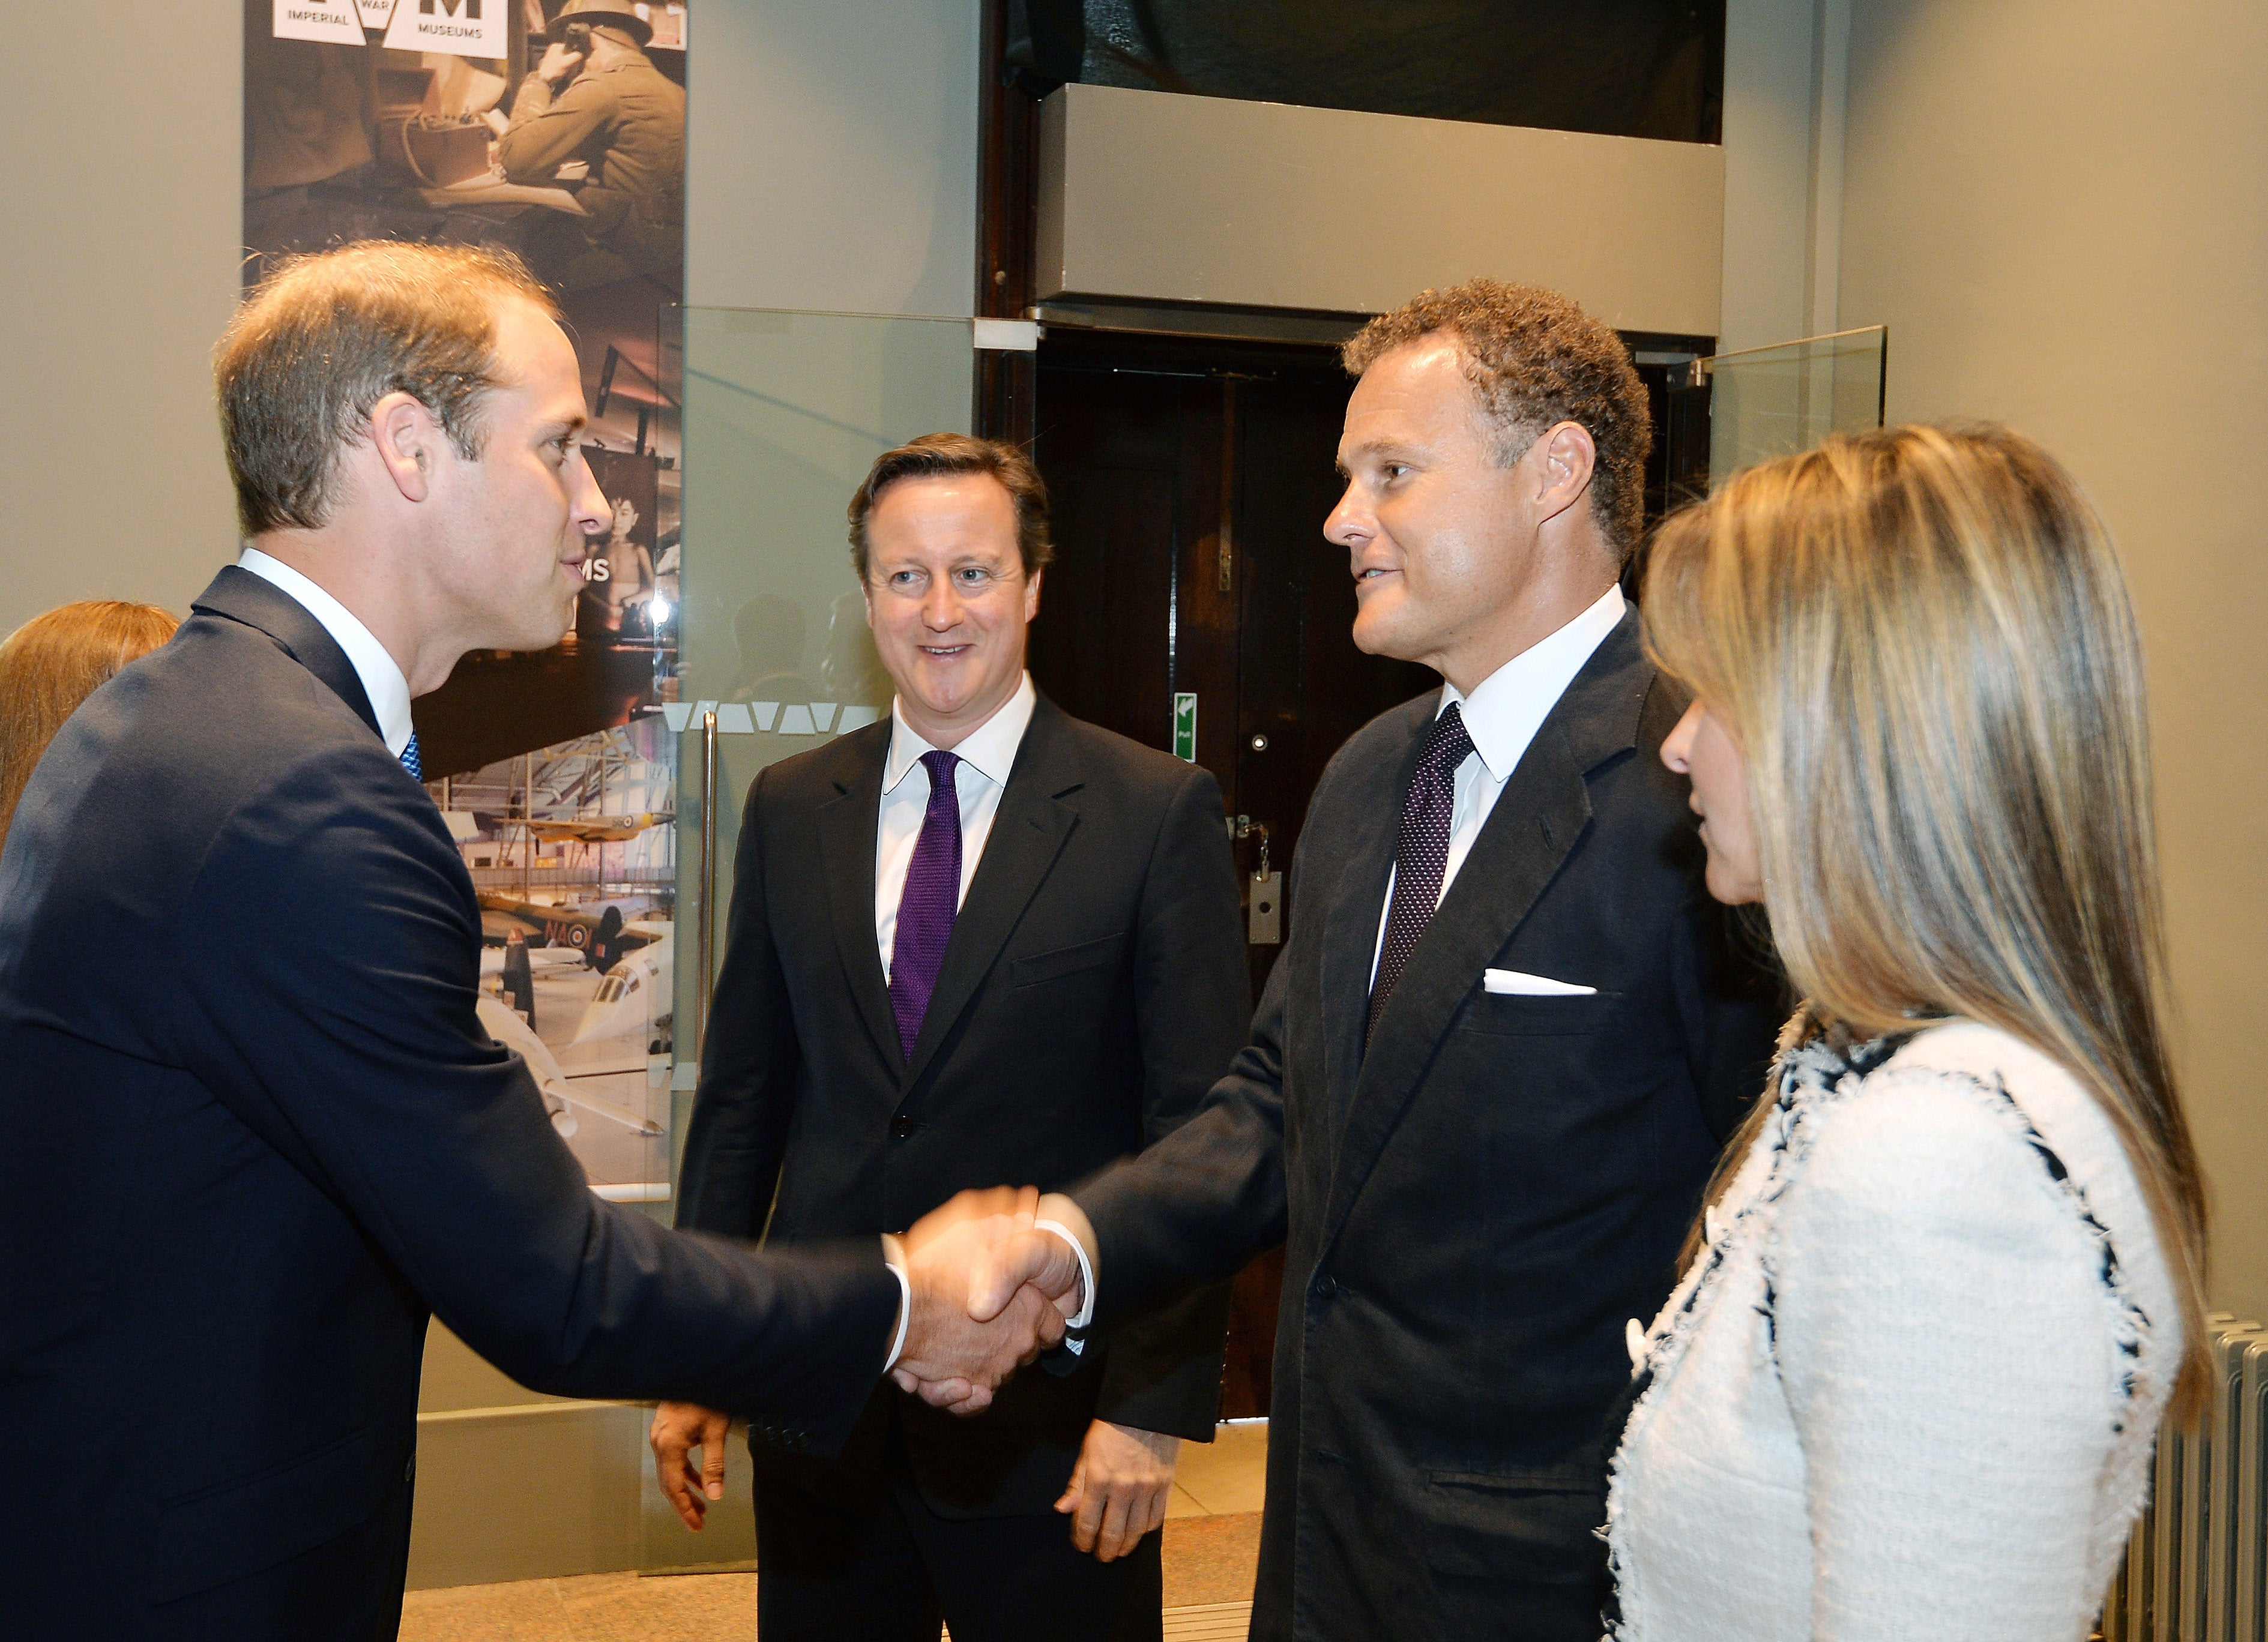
{"x": 1474, "y": 1202}
{"x": 256, "y": 1133}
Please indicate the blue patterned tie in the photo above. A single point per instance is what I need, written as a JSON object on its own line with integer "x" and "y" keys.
{"x": 928, "y": 903}
{"x": 410, "y": 761}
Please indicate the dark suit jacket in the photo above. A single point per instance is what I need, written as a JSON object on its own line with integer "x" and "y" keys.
{"x": 1474, "y": 1207}
{"x": 255, "y": 1132}
{"x": 1093, "y": 989}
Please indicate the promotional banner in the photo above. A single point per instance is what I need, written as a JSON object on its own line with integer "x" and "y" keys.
{"x": 554, "y": 129}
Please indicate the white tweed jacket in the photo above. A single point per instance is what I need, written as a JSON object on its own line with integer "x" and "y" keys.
{"x": 1908, "y": 1393}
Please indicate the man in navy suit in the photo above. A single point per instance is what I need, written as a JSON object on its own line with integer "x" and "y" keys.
{"x": 256, "y": 1134}
{"x": 1496, "y": 1061}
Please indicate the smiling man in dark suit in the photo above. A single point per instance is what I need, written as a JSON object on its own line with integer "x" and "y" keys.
{"x": 1496, "y": 1061}
{"x": 256, "y": 1131}
{"x": 977, "y": 941}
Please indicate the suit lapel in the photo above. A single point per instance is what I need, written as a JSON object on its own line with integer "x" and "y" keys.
{"x": 1351, "y": 919}
{"x": 1028, "y": 832}
{"x": 847, "y": 823}
{"x": 240, "y": 596}
{"x": 1543, "y": 810}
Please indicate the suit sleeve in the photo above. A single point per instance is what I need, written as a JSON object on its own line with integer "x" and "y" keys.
{"x": 331, "y": 1007}
{"x": 1193, "y": 1208}
{"x": 738, "y": 1136}
{"x": 1192, "y": 994}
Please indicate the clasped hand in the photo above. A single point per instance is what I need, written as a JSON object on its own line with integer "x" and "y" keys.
{"x": 988, "y": 1291}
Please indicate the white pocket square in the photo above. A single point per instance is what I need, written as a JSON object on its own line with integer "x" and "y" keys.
{"x": 1510, "y": 982}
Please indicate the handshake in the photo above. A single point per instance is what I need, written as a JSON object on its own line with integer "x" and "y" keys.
{"x": 987, "y": 1290}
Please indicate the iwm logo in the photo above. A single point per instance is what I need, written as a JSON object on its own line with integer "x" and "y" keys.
{"x": 472, "y": 8}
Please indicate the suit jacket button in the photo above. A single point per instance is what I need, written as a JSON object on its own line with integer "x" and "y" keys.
{"x": 902, "y": 1128}
{"x": 1326, "y": 1286}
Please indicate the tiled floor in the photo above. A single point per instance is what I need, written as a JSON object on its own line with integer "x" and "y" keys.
{"x": 1213, "y": 1541}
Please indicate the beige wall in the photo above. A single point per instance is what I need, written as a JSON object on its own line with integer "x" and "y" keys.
{"x": 1149, "y": 196}
{"x": 2061, "y": 209}
{"x": 119, "y": 271}
{"x": 1783, "y": 125}
{"x": 832, "y": 157}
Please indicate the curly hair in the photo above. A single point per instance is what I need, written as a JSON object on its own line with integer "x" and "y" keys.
{"x": 1536, "y": 358}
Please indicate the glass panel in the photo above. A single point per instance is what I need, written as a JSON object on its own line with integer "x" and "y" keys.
{"x": 1766, "y": 402}
{"x": 783, "y": 414}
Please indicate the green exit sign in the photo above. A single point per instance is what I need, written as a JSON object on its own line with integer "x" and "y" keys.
{"x": 1185, "y": 725}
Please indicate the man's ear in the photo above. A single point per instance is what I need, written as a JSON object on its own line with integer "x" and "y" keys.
{"x": 1567, "y": 458}
{"x": 406, "y": 439}
{"x": 1032, "y": 593}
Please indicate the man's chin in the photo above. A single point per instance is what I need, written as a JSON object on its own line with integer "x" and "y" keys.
{"x": 1374, "y": 635}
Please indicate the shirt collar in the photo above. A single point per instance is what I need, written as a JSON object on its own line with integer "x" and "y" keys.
{"x": 381, "y": 679}
{"x": 990, "y": 749}
{"x": 1506, "y": 708}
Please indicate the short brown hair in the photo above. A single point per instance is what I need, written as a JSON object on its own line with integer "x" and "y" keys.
{"x": 1536, "y": 358}
{"x": 934, "y": 455}
{"x": 53, "y": 662}
{"x": 325, "y": 337}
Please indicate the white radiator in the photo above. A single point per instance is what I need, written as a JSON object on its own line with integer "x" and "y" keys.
{"x": 2197, "y": 1569}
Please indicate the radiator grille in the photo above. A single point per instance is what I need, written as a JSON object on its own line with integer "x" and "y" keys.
{"x": 2196, "y": 1567}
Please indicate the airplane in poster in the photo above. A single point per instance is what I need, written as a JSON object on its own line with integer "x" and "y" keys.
{"x": 602, "y": 940}
{"x": 634, "y": 998}
{"x": 502, "y": 1023}
{"x": 594, "y": 829}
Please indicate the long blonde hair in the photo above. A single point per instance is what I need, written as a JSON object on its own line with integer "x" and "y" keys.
{"x": 53, "y": 662}
{"x": 1920, "y": 640}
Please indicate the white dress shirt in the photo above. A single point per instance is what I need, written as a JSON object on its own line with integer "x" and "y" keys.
{"x": 381, "y": 676}
{"x": 986, "y": 756}
{"x": 1502, "y": 716}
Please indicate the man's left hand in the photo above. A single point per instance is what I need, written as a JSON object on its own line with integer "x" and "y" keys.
{"x": 1119, "y": 1488}
{"x": 559, "y": 65}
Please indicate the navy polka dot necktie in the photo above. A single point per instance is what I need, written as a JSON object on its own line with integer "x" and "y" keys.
{"x": 1421, "y": 854}
{"x": 410, "y": 761}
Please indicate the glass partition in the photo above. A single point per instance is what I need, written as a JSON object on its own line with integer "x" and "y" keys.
{"x": 783, "y": 414}
{"x": 1766, "y": 402}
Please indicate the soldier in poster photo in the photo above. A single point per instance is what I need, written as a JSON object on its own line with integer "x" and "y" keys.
{"x": 596, "y": 98}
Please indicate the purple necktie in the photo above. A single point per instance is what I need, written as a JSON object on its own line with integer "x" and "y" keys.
{"x": 1421, "y": 854}
{"x": 926, "y": 906}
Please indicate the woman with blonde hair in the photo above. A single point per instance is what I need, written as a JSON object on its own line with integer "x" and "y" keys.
{"x": 1951, "y": 1272}
{"x": 53, "y": 662}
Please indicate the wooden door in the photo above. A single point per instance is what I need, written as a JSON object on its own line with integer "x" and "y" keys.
{"x": 1189, "y": 482}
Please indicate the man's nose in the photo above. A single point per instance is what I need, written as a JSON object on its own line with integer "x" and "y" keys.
{"x": 1349, "y": 524}
{"x": 593, "y": 511}
{"x": 941, "y": 608}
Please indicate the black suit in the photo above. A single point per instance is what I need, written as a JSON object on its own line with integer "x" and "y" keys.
{"x": 1093, "y": 989}
{"x": 255, "y": 1132}
{"x": 1474, "y": 1205}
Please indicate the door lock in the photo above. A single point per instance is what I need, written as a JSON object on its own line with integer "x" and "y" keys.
{"x": 1264, "y": 894}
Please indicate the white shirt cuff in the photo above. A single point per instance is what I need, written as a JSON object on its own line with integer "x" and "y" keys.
{"x": 1086, "y": 1313}
{"x": 905, "y": 1306}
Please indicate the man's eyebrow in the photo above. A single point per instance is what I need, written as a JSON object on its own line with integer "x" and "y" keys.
{"x": 564, "y": 427}
{"x": 1370, "y": 448}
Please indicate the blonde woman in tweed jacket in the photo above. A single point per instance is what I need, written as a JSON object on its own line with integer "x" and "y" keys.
{"x": 1949, "y": 1275}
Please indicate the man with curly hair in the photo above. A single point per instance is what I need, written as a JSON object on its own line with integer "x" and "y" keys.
{"x": 1495, "y": 1063}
